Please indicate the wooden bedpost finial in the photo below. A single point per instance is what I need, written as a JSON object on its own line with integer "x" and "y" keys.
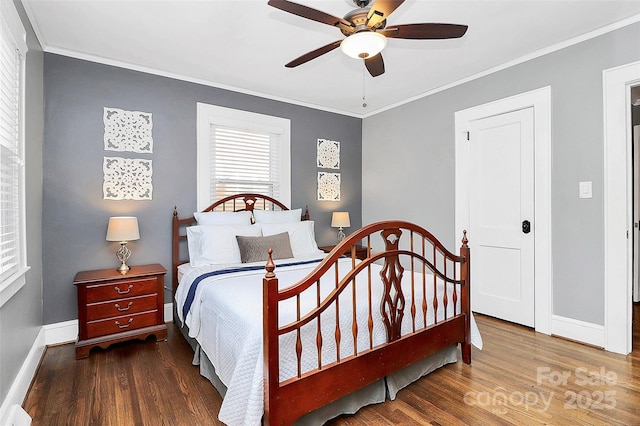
{"x": 464, "y": 238}
{"x": 270, "y": 266}
{"x": 175, "y": 211}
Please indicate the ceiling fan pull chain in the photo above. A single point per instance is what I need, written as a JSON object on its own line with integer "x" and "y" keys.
{"x": 364, "y": 100}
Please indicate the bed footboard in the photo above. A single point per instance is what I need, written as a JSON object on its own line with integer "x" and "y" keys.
{"x": 408, "y": 299}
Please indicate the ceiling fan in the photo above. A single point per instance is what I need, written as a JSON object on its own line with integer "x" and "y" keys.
{"x": 366, "y": 30}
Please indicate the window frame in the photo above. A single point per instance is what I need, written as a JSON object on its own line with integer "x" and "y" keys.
{"x": 10, "y": 20}
{"x": 208, "y": 115}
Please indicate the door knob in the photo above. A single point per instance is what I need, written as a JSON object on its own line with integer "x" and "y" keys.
{"x": 526, "y": 226}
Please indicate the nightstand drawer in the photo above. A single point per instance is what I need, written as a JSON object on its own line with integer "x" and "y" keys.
{"x": 118, "y": 307}
{"x": 123, "y": 323}
{"x": 119, "y": 290}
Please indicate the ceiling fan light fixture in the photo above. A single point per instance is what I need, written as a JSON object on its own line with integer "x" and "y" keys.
{"x": 364, "y": 44}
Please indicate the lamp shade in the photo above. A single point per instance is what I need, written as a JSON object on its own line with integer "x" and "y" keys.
{"x": 123, "y": 228}
{"x": 340, "y": 219}
{"x": 364, "y": 44}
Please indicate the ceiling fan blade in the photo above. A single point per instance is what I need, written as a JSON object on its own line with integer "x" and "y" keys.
{"x": 313, "y": 54}
{"x": 309, "y": 13}
{"x": 381, "y": 10}
{"x": 375, "y": 65}
{"x": 424, "y": 31}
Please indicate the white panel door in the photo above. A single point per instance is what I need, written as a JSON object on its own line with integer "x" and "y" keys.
{"x": 501, "y": 174}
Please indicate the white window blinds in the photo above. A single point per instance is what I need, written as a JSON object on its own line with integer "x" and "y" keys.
{"x": 239, "y": 152}
{"x": 10, "y": 151}
{"x": 244, "y": 161}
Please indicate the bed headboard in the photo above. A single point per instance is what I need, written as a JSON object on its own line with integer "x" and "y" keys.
{"x": 232, "y": 203}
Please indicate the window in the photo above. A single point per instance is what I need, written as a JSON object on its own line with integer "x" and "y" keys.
{"x": 13, "y": 50}
{"x": 240, "y": 151}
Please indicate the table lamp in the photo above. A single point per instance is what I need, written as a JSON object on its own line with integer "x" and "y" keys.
{"x": 123, "y": 229}
{"x": 340, "y": 220}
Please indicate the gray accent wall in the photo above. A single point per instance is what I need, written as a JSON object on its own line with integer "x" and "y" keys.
{"x": 21, "y": 316}
{"x": 75, "y": 214}
{"x": 414, "y": 145}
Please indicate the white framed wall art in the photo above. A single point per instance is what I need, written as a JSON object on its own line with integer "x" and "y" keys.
{"x": 128, "y": 131}
{"x": 328, "y": 186}
{"x": 127, "y": 178}
{"x": 328, "y": 154}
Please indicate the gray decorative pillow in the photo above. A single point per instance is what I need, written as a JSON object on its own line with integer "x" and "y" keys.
{"x": 255, "y": 249}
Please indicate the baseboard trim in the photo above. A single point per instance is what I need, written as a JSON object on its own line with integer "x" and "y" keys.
{"x": 168, "y": 312}
{"x": 581, "y": 331}
{"x": 61, "y": 332}
{"x": 20, "y": 386}
{"x": 49, "y": 335}
{"x": 18, "y": 417}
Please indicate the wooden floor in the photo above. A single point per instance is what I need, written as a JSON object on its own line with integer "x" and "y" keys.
{"x": 519, "y": 378}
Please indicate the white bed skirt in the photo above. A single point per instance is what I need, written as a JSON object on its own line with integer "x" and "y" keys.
{"x": 374, "y": 393}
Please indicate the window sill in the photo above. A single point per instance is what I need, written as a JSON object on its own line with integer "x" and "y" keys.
{"x": 12, "y": 285}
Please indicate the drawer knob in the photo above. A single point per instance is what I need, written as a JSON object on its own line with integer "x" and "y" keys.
{"x": 124, "y": 325}
{"x": 120, "y": 309}
{"x": 123, "y": 291}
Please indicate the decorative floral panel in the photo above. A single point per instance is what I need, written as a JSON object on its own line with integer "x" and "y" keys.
{"x": 328, "y": 186}
{"x": 128, "y": 131}
{"x": 328, "y": 154}
{"x": 127, "y": 179}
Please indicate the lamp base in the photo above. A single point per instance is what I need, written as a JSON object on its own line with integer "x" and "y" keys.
{"x": 122, "y": 255}
{"x": 341, "y": 234}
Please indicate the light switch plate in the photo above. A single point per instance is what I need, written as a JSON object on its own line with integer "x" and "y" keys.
{"x": 585, "y": 190}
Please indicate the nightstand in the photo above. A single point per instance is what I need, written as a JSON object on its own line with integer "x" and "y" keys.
{"x": 114, "y": 307}
{"x": 361, "y": 251}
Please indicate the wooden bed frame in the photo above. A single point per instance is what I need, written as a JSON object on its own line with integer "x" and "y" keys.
{"x": 286, "y": 401}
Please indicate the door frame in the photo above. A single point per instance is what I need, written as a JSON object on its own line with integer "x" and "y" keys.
{"x": 618, "y": 206}
{"x": 635, "y": 143}
{"x": 540, "y": 100}
{"x": 635, "y": 137}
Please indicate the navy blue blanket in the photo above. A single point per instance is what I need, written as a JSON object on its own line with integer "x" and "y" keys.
{"x": 194, "y": 285}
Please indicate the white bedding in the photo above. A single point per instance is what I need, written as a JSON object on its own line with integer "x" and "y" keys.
{"x": 226, "y": 320}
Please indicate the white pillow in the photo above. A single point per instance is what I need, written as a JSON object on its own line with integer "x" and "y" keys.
{"x": 301, "y": 235}
{"x": 214, "y": 244}
{"x": 277, "y": 216}
{"x": 223, "y": 218}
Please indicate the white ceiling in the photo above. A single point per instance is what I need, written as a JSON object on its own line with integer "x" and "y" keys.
{"x": 243, "y": 44}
